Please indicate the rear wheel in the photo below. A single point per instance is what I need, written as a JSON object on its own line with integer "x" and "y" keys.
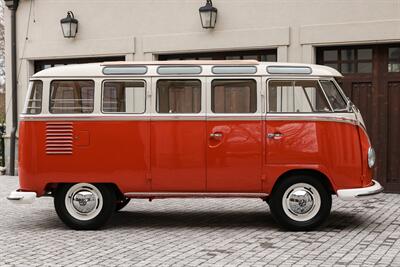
{"x": 300, "y": 203}
{"x": 84, "y": 206}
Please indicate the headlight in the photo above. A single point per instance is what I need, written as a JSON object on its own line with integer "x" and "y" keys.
{"x": 371, "y": 157}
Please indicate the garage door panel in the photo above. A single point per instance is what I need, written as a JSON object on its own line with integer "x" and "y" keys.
{"x": 393, "y": 148}
{"x": 360, "y": 95}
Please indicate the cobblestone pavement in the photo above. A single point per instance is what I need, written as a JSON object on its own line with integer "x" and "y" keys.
{"x": 193, "y": 232}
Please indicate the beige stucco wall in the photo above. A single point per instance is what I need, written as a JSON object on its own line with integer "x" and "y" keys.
{"x": 140, "y": 29}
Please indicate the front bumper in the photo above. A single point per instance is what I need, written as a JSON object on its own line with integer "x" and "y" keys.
{"x": 20, "y": 197}
{"x": 360, "y": 193}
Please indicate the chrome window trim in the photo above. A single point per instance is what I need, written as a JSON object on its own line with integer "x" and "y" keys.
{"x": 234, "y": 70}
{"x": 177, "y": 67}
{"x": 145, "y": 68}
{"x": 293, "y": 79}
{"x": 281, "y": 70}
{"x": 255, "y": 79}
{"x": 341, "y": 93}
{"x": 156, "y": 99}
{"x": 326, "y": 97}
{"x": 122, "y": 80}
{"x": 78, "y": 80}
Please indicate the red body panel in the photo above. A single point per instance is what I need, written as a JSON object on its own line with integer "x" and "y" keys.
{"x": 234, "y": 159}
{"x": 180, "y": 156}
{"x": 178, "y": 160}
{"x": 332, "y": 148}
{"x": 113, "y": 151}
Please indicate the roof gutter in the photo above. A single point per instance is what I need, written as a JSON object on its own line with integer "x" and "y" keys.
{"x": 12, "y": 6}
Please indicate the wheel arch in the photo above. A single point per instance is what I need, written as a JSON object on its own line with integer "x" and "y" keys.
{"x": 310, "y": 172}
{"x": 51, "y": 188}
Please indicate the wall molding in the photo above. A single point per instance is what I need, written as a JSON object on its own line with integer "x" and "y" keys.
{"x": 356, "y": 32}
{"x": 217, "y": 40}
{"x": 78, "y": 48}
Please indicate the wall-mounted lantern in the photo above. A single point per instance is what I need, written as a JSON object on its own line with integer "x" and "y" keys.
{"x": 11, "y": 4}
{"x": 208, "y": 15}
{"x": 69, "y": 25}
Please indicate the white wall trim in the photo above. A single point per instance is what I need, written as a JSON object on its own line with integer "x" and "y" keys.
{"x": 217, "y": 40}
{"x": 308, "y": 54}
{"x": 282, "y": 54}
{"x": 79, "y": 48}
{"x": 357, "y": 32}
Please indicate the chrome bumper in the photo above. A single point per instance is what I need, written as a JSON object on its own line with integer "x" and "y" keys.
{"x": 360, "y": 193}
{"x": 19, "y": 197}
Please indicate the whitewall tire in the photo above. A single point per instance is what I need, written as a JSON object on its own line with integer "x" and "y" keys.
{"x": 300, "y": 202}
{"x": 84, "y": 206}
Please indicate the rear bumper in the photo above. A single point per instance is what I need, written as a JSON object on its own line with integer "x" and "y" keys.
{"x": 360, "y": 193}
{"x": 19, "y": 197}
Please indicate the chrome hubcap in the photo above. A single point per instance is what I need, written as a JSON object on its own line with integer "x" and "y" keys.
{"x": 301, "y": 202}
{"x": 84, "y": 201}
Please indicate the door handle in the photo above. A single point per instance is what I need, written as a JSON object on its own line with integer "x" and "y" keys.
{"x": 275, "y": 135}
{"x": 216, "y": 136}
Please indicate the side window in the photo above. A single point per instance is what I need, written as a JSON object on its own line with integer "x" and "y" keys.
{"x": 178, "y": 96}
{"x": 34, "y": 105}
{"x": 124, "y": 97}
{"x": 234, "y": 96}
{"x": 296, "y": 96}
{"x": 334, "y": 97}
{"x": 71, "y": 96}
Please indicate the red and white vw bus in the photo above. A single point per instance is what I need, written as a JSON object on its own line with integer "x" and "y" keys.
{"x": 94, "y": 136}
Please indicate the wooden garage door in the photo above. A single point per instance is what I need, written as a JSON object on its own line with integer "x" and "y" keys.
{"x": 372, "y": 81}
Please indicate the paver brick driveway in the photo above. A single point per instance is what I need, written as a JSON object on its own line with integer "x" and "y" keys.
{"x": 195, "y": 232}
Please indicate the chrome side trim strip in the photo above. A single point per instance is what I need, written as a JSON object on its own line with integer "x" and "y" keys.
{"x": 235, "y": 118}
{"x": 85, "y": 118}
{"x": 345, "y": 118}
{"x": 321, "y": 119}
{"x": 178, "y": 118}
{"x": 193, "y": 195}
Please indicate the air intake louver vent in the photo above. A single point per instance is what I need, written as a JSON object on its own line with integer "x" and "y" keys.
{"x": 59, "y": 138}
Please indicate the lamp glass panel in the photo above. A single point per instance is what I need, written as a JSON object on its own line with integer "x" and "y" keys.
{"x": 66, "y": 27}
{"x": 73, "y": 29}
{"x": 206, "y": 19}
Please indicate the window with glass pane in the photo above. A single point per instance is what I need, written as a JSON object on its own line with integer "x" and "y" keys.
{"x": 296, "y": 96}
{"x": 178, "y": 96}
{"x": 124, "y": 97}
{"x": 71, "y": 96}
{"x": 348, "y": 60}
{"x": 335, "y": 98}
{"x": 234, "y": 96}
{"x": 394, "y": 59}
{"x": 34, "y": 105}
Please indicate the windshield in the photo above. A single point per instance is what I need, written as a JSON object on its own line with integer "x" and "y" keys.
{"x": 338, "y": 103}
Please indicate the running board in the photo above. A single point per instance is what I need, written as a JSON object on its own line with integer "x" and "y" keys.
{"x": 193, "y": 195}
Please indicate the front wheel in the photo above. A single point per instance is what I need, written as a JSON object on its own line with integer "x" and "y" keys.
{"x": 84, "y": 206}
{"x": 300, "y": 203}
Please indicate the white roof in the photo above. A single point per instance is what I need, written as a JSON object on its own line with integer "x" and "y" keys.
{"x": 95, "y": 69}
